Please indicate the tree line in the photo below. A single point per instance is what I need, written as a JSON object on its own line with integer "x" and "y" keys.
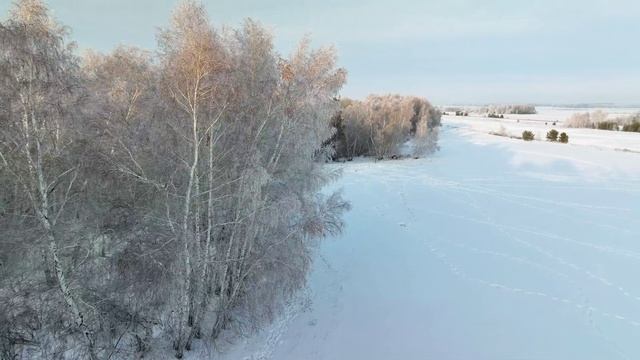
{"x": 600, "y": 120}
{"x": 508, "y": 109}
{"x": 173, "y": 193}
{"x": 380, "y": 126}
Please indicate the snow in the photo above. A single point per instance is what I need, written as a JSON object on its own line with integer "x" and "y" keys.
{"x": 493, "y": 248}
{"x": 616, "y": 140}
{"x": 553, "y": 113}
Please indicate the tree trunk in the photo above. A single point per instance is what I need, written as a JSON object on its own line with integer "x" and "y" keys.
{"x": 183, "y": 308}
{"x": 78, "y": 315}
{"x": 42, "y": 210}
{"x": 49, "y": 277}
{"x": 203, "y": 278}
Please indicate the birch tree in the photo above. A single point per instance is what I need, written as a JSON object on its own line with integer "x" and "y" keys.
{"x": 39, "y": 74}
{"x": 290, "y": 102}
{"x": 191, "y": 61}
{"x": 174, "y": 192}
{"x": 379, "y": 125}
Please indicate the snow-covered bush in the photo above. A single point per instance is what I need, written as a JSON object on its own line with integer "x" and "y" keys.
{"x": 630, "y": 123}
{"x": 527, "y": 135}
{"x": 564, "y": 138}
{"x": 632, "y": 127}
{"x": 607, "y": 125}
{"x": 552, "y": 135}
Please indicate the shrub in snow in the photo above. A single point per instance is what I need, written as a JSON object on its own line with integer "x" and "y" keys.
{"x": 564, "y": 138}
{"x": 552, "y": 135}
{"x": 527, "y": 135}
{"x": 607, "y": 125}
{"x": 633, "y": 126}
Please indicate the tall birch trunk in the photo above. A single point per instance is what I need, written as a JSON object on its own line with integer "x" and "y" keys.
{"x": 42, "y": 212}
{"x": 203, "y": 279}
{"x": 183, "y": 310}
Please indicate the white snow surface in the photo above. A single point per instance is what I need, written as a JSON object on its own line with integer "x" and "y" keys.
{"x": 493, "y": 248}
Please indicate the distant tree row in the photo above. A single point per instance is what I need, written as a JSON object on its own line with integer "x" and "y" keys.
{"x": 600, "y": 120}
{"x": 587, "y": 119}
{"x": 380, "y": 125}
{"x": 508, "y": 109}
{"x": 455, "y": 111}
{"x": 151, "y": 200}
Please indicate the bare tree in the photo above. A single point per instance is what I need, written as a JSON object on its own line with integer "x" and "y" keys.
{"x": 177, "y": 191}
{"x": 40, "y": 76}
{"x": 380, "y": 125}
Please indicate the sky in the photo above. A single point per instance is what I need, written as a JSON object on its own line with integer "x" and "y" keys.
{"x": 449, "y": 51}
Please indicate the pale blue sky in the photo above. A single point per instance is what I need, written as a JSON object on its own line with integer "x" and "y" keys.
{"x": 451, "y": 51}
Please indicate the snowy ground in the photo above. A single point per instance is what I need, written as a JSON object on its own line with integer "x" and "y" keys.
{"x": 541, "y": 123}
{"x": 492, "y": 249}
{"x": 558, "y": 113}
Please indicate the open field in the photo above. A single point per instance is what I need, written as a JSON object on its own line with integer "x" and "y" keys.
{"x": 539, "y": 124}
{"x": 199, "y": 179}
{"x": 494, "y": 248}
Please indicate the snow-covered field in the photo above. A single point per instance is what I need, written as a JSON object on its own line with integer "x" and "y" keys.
{"x": 554, "y": 113}
{"x": 493, "y": 248}
{"x": 539, "y": 124}
{"x": 558, "y": 113}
